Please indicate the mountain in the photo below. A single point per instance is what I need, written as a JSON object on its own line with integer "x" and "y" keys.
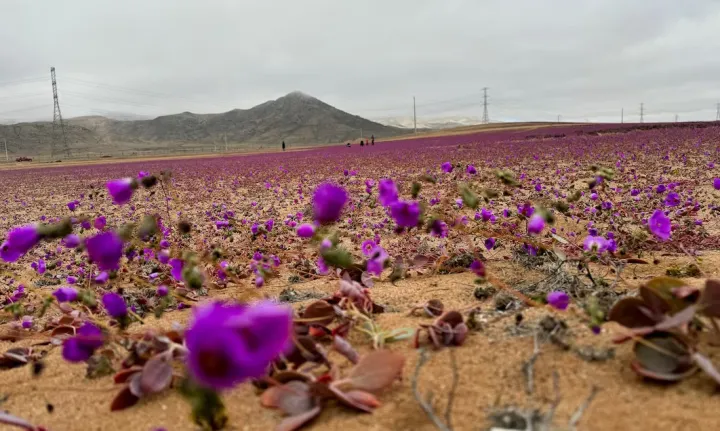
{"x": 429, "y": 123}
{"x": 296, "y": 118}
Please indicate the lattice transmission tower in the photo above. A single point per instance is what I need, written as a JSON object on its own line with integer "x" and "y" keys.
{"x": 485, "y": 117}
{"x": 59, "y": 138}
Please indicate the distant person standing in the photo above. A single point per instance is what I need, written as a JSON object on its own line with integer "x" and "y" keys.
{"x": 362, "y": 144}
{"x": 372, "y": 139}
{"x": 348, "y": 145}
{"x": 283, "y": 145}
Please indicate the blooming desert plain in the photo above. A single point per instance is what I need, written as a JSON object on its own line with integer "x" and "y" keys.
{"x": 548, "y": 278}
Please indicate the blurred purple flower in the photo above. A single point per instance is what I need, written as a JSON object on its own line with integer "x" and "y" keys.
{"x": 71, "y": 241}
{"x": 176, "y": 268}
{"x": 387, "y": 192}
{"x": 82, "y": 346}
{"x": 558, "y": 300}
{"x": 660, "y": 225}
{"x": 105, "y": 249}
{"x": 536, "y": 224}
{"x": 19, "y": 241}
{"x": 114, "y": 305}
{"x": 100, "y": 223}
{"x": 65, "y": 294}
{"x": 490, "y": 243}
{"x": 447, "y": 167}
{"x": 121, "y": 190}
{"x": 405, "y": 214}
{"x": 478, "y": 268}
{"x": 328, "y": 202}
{"x": 228, "y": 344}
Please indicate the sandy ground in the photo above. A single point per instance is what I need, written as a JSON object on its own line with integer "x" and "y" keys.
{"x": 489, "y": 366}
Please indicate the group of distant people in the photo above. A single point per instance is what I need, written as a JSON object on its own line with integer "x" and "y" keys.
{"x": 370, "y": 141}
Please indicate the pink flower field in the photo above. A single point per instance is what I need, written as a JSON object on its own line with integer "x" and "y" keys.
{"x": 556, "y": 277}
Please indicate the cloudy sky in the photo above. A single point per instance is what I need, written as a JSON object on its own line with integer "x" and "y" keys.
{"x": 581, "y": 59}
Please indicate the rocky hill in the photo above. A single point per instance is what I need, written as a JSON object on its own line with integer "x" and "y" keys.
{"x": 296, "y": 118}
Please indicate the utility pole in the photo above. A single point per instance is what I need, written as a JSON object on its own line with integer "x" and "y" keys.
{"x": 717, "y": 114}
{"x": 485, "y": 117}
{"x": 622, "y": 115}
{"x": 558, "y": 120}
{"x": 676, "y": 118}
{"x": 225, "y": 139}
{"x": 414, "y": 116}
{"x": 58, "y": 124}
{"x": 642, "y": 112}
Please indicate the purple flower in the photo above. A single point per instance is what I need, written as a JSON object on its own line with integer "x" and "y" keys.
{"x": 659, "y": 225}
{"x": 538, "y": 187}
{"x": 102, "y": 278}
{"x": 19, "y": 241}
{"x": 114, "y": 305}
{"x": 447, "y": 167}
{"x": 71, "y": 279}
{"x": 162, "y": 290}
{"x": 228, "y": 343}
{"x": 490, "y": 243}
{"x": 322, "y": 266}
{"x": 328, "y": 202}
{"x": 269, "y": 224}
{"x": 438, "y": 228}
{"x": 100, "y": 223}
{"x": 558, "y": 300}
{"x": 478, "y": 268}
{"x": 376, "y": 261}
{"x": 471, "y": 170}
{"x": 71, "y": 241}
{"x": 105, "y": 249}
{"x": 85, "y": 224}
{"x": 65, "y": 294}
{"x": 660, "y": 188}
{"x": 82, "y": 346}
{"x": 368, "y": 246}
{"x": 536, "y": 224}
{"x": 142, "y": 174}
{"x": 306, "y": 230}
{"x": 121, "y": 190}
{"x": 526, "y": 209}
{"x": 176, "y": 270}
{"x": 485, "y": 214}
{"x": 593, "y": 196}
{"x": 41, "y": 267}
{"x": 254, "y": 228}
{"x": 405, "y": 214}
{"x": 387, "y": 192}
{"x": 595, "y": 243}
{"x": 72, "y": 205}
{"x": 27, "y": 322}
{"x": 672, "y": 199}
{"x": 716, "y": 183}
{"x": 163, "y": 256}
{"x": 634, "y": 192}
{"x": 221, "y": 224}
{"x": 606, "y": 205}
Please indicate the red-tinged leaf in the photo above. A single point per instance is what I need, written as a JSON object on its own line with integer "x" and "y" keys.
{"x": 678, "y": 319}
{"x": 350, "y": 402}
{"x": 461, "y": 332}
{"x": 134, "y": 386}
{"x": 366, "y": 279}
{"x": 364, "y": 398}
{"x": 123, "y": 376}
{"x": 295, "y": 422}
{"x": 343, "y": 347}
{"x": 319, "y": 312}
{"x": 631, "y": 313}
{"x": 662, "y": 354}
{"x": 637, "y": 261}
{"x": 707, "y": 366}
{"x": 156, "y": 375}
{"x": 376, "y": 370}
{"x": 8, "y": 419}
{"x": 293, "y": 398}
{"x": 66, "y": 320}
{"x": 661, "y": 377}
{"x": 270, "y": 398}
{"x": 65, "y": 307}
{"x": 123, "y": 400}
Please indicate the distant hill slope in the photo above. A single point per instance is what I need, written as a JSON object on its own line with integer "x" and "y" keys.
{"x": 296, "y": 118}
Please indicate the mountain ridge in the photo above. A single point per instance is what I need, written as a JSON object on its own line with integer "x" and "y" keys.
{"x": 296, "y": 118}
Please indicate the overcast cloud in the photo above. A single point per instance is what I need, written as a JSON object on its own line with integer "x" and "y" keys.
{"x": 581, "y": 59}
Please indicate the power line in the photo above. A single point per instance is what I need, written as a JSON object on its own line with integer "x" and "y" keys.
{"x": 58, "y": 124}
{"x": 485, "y": 117}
